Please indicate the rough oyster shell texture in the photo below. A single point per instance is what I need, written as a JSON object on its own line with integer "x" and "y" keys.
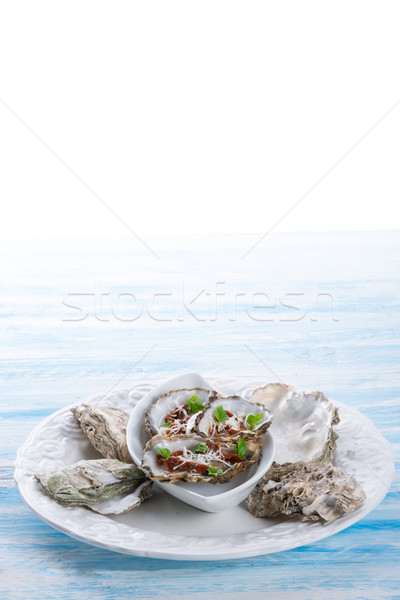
{"x": 106, "y": 429}
{"x": 97, "y": 484}
{"x": 302, "y": 481}
{"x": 206, "y": 425}
{"x": 310, "y": 493}
{"x": 189, "y": 442}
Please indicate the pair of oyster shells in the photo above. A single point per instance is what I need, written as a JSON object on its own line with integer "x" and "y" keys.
{"x": 199, "y": 436}
{"x": 111, "y": 485}
{"x": 302, "y": 481}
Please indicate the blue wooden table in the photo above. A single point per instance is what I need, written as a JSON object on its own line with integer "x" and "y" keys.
{"x": 318, "y": 311}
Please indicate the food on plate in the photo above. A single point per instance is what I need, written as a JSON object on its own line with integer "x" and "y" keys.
{"x": 310, "y": 493}
{"x": 106, "y": 485}
{"x": 231, "y": 417}
{"x": 174, "y": 413}
{"x": 106, "y": 429}
{"x": 200, "y": 436}
{"x": 195, "y": 458}
{"x": 302, "y": 426}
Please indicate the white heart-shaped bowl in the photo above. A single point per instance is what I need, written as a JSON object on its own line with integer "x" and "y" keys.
{"x": 205, "y": 496}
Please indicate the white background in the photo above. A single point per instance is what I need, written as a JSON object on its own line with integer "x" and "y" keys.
{"x": 198, "y": 116}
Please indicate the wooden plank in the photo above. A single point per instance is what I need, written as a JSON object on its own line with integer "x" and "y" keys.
{"x": 346, "y": 344}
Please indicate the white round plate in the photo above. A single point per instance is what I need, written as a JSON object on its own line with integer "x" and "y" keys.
{"x": 164, "y": 527}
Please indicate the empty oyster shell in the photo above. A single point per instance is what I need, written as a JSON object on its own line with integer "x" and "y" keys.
{"x": 97, "y": 484}
{"x": 302, "y": 426}
{"x": 302, "y": 480}
{"x": 195, "y": 458}
{"x": 106, "y": 429}
{"x": 310, "y": 493}
{"x": 237, "y": 417}
{"x": 170, "y": 415}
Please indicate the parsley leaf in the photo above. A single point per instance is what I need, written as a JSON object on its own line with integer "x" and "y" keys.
{"x": 214, "y": 471}
{"x": 201, "y": 448}
{"x": 167, "y": 424}
{"x": 164, "y": 452}
{"x": 253, "y": 420}
{"x": 194, "y": 406}
{"x": 241, "y": 448}
{"x": 219, "y": 414}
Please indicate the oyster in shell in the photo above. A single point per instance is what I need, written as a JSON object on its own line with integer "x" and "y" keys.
{"x": 231, "y": 417}
{"x": 174, "y": 412}
{"x": 302, "y": 426}
{"x": 195, "y": 458}
{"x": 310, "y": 493}
{"x": 97, "y": 484}
{"x": 106, "y": 429}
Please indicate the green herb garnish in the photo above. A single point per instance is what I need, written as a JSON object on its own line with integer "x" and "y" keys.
{"x": 241, "y": 448}
{"x": 164, "y": 452}
{"x": 201, "y": 448}
{"x": 167, "y": 424}
{"x": 214, "y": 471}
{"x": 220, "y": 414}
{"x": 253, "y": 420}
{"x": 194, "y": 406}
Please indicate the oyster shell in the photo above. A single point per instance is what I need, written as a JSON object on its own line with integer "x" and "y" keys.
{"x": 310, "y": 493}
{"x": 172, "y": 408}
{"x": 97, "y": 484}
{"x": 218, "y": 462}
{"x": 302, "y": 426}
{"x": 120, "y": 504}
{"x": 238, "y": 418}
{"x": 302, "y": 481}
{"x": 106, "y": 429}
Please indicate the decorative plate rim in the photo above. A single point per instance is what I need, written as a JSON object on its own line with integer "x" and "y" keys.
{"x": 99, "y": 530}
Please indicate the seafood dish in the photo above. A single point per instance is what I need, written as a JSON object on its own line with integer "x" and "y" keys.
{"x": 195, "y": 458}
{"x": 200, "y": 436}
{"x": 174, "y": 413}
{"x": 231, "y": 417}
